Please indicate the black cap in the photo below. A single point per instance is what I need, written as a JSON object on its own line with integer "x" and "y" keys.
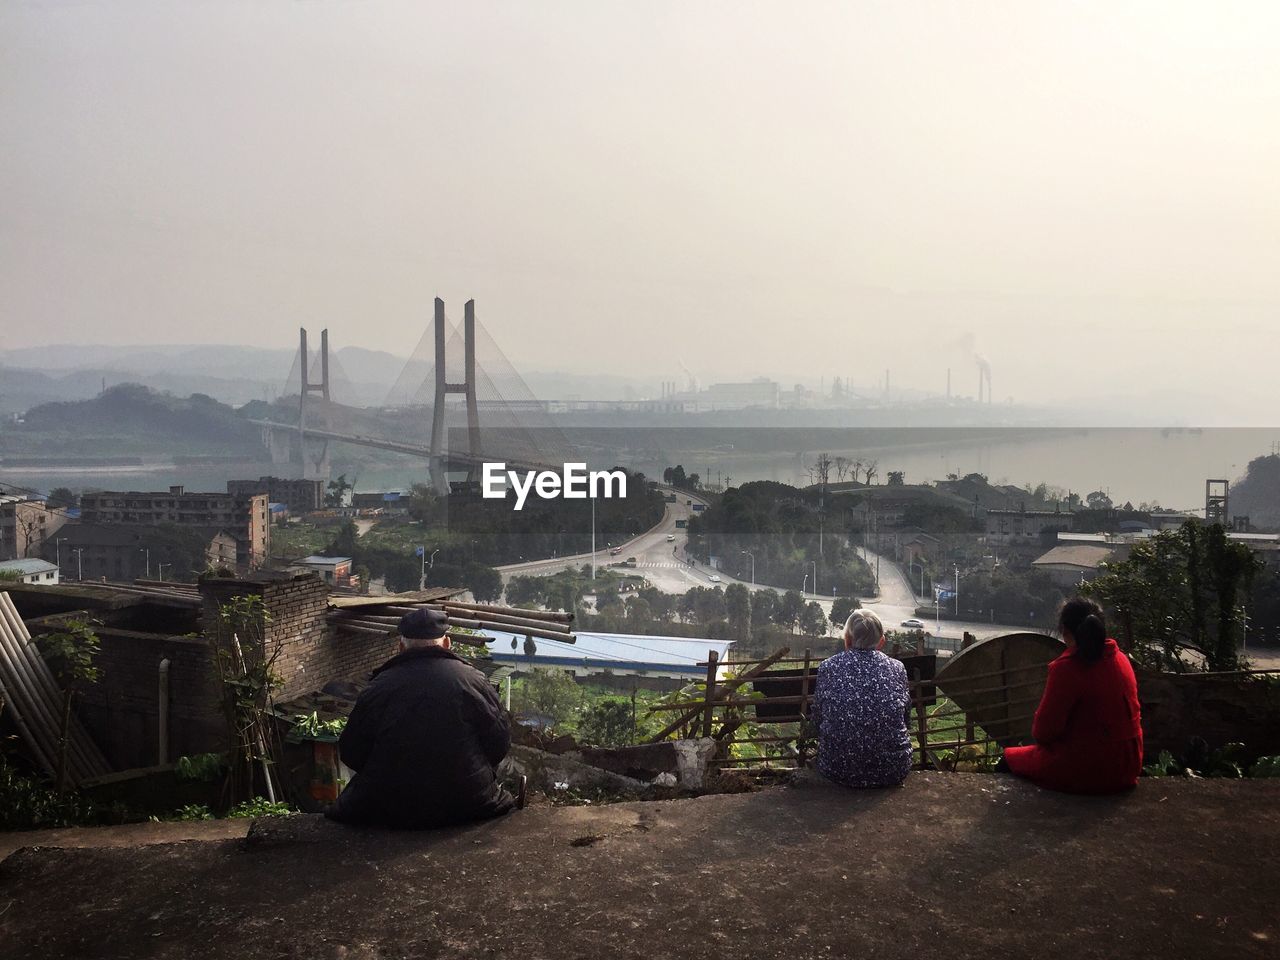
{"x": 423, "y": 624}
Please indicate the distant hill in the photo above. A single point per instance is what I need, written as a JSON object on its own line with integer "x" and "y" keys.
{"x": 131, "y": 418}
{"x": 1257, "y": 494}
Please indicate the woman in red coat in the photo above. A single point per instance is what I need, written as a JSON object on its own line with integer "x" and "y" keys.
{"x": 1088, "y": 728}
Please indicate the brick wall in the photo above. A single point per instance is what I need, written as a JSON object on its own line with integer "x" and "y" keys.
{"x": 122, "y": 709}
{"x": 310, "y": 652}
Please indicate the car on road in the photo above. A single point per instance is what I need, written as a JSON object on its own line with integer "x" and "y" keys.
{"x": 714, "y": 578}
{"x": 671, "y": 538}
{"x": 615, "y": 551}
{"x": 911, "y": 623}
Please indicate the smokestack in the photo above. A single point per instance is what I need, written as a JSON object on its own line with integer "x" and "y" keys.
{"x": 948, "y": 383}
{"x": 981, "y": 377}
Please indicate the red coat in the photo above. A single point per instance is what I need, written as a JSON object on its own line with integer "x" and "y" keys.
{"x": 1088, "y": 727}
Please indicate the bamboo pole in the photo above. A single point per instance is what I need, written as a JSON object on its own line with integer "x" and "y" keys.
{"x": 708, "y": 710}
{"x": 728, "y": 686}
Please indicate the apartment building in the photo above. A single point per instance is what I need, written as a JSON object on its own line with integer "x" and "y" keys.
{"x": 245, "y": 517}
{"x": 25, "y": 524}
{"x": 300, "y": 496}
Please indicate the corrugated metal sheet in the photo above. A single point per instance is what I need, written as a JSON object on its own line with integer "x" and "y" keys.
{"x": 33, "y": 696}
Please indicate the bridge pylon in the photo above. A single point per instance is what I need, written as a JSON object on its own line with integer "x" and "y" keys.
{"x": 314, "y": 464}
{"x": 439, "y": 453}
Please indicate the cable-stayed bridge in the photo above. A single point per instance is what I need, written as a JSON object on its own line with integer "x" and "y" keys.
{"x": 457, "y": 379}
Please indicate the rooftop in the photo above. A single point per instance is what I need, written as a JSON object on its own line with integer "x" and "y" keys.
{"x": 617, "y": 651}
{"x": 952, "y": 865}
{"x": 1083, "y": 555}
{"x": 28, "y": 566}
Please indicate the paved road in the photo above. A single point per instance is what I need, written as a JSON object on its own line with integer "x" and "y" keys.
{"x": 662, "y": 562}
{"x": 656, "y": 556}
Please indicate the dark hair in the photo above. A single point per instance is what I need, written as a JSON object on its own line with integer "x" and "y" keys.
{"x": 1084, "y": 619}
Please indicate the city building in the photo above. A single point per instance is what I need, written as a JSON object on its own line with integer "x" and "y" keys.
{"x": 334, "y": 571}
{"x": 1025, "y": 526}
{"x": 1070, "y": 564}
{"x": 25, "y": 524}
{"x": 31, "y": 570}
{"x": 244, "y": 516}
{"x": 388, "y": 503}
{"x": 300, "y": 496}
{"x": 130, "y": 551}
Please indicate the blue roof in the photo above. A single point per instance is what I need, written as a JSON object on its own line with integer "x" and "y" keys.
{"x": 622, "y": 651}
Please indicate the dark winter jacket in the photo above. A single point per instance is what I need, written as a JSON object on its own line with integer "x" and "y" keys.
{"x": 425, "y": 739}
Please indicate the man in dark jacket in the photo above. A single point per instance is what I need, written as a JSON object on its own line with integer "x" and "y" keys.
{"x": 425, "y": 738}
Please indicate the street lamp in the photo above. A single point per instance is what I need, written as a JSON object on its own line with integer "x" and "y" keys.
{"x": 79, "y": 551}
{"x": 804, "y": 586}
{"x": 58, "y": 548}
{"x": 910, "y": 565}
{"x": 160, "y": 570}
{"x": 426, "y": 565}
{"x": 956, "y": 567}
{"x": 815, "y": 577}
{"x": 147, "y": 551}
{"x": 748, "y": 553}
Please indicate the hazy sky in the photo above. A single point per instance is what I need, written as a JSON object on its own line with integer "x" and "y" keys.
{"x": 1087, "y": 194}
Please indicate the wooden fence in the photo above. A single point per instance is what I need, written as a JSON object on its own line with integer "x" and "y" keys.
{"x": 780, "y": 735}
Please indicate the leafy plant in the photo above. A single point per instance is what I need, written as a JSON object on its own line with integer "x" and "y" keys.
{"x": 192, "y": 812}
{"x": 28, "y": 804}
{"x": 71, "y": 653}
{"x": 259, "y": 807}
{"x": 245, "y": 668}
{"x": 205, "y": 767}
{"x": 309, "y": 726}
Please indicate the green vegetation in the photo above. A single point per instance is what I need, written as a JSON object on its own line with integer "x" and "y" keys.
{"x": 28, "y": 804}
{"x": 130, "y": 418}
{"x": 787, "y": 531}
{"x": 309, "y": 726}
{"x": 1231, "y": 760}
{"x": 592, "y": 712}
{"x": 1179, "y": 593}
{"x": 71, "y": 653}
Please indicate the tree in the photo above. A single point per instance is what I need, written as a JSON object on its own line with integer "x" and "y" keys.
{"x": 552, "y": 693}
{"x": 897, "y": 478}
{"x": 71, "y": 653}
{"x": 345, "y": 542}
{"x": 870, "y": 470}
{"x": 526, "y": 591}
{"x": 60, "y": 498}
{"x": 337, "y": 495}
{"x": 737, "y": 604}
{"x": 789, "y": 610}
{"x": 402, "y": 574}
{"x": 841, "y": 608}
{"x": 1098, "y": 500}
{"x": 1180, "y": 591}
{"x": 764, "y": 606}
{"x": 485, "y": 583}
{"x": 607, "y": 723}
{"x": 813, "y": 621}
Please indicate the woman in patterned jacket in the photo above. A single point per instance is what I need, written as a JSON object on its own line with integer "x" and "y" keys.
{"x": 859, "y": 710}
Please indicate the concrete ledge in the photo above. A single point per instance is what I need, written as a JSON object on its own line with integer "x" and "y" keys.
{"x": 951, "y": 865}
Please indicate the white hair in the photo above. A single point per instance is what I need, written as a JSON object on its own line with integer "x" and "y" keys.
{"x": 863, "y": 629}
{"x": 417, "y": 643}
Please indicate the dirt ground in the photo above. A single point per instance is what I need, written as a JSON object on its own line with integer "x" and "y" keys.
{"x": 949, "y": 866}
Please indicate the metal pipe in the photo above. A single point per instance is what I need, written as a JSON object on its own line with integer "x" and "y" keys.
{"x": 162, "y": 714}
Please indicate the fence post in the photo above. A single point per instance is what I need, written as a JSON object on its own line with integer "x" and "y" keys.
{"x": 922, "y": 726}
{"x": 713, "y": 660}
{"x": 804, "y": 699}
